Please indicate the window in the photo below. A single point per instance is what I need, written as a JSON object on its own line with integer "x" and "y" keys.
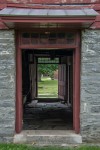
{"x": 48, "y": 38}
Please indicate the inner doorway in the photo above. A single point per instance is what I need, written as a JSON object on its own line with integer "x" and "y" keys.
{"x": 47, "y": 113}
{"x": 47, "y": 75}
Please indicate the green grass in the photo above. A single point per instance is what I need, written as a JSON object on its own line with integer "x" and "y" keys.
{"x": 14, "y": 147}
{"x": 25, "y": 147}
{"x": 48, "y": 88}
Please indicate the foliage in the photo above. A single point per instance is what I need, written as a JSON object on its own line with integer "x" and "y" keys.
{"x": 47, "y": 69}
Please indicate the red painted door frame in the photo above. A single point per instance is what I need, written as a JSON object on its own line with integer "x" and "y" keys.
{"x": 76, "y": 87}
{"x": 19, "y": 103}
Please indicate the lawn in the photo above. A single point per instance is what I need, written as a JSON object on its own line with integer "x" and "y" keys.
{"x": 25, "y": 147}
{"x": 48, "y": 87}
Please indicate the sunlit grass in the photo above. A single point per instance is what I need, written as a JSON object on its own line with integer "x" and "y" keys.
{"x": 48, "y": 87}
{"x": 25, "y": 147}
{"x": 14, "y": 147}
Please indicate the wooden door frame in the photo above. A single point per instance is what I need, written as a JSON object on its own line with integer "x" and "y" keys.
{"x": 76, "y": 86}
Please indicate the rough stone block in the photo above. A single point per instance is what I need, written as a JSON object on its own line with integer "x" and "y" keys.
{"x": 7, "y": 85}
{"x": 90, "y": 85}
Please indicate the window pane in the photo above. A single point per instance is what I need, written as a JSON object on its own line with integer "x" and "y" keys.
{"x": 34, "y": 35}
{"x": 61, "y": 35}
{"x": 26, "y": 35}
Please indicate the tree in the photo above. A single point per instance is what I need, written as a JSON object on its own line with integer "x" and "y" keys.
{"x": 47, "y": 69}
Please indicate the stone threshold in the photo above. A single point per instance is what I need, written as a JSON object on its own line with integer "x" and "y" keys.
{"x": 48, "y": 137}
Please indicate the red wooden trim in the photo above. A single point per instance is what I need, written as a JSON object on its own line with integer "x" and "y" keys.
{"x": 23, "y": 19}
{"x": 76, "y": 103}
{"x": 92, "y": 5}
{"x": 59, "y": 46}
{"x": 36, "y": 78}
{"x": 40, "y": 30}
{"x": 96, "y": 25}
{"x": 95, "y": 6}
{"x": 50, "y": 2}
{"x": 72, "y": 21}
{"x": 2, "y": 25}
{"x": 77, "y": 21}
{"x": 76, "y": 88}
{"x": 19, "y": 106}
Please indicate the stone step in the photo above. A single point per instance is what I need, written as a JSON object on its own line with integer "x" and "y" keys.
{"x": 53, "y": 140}
{"x": 48, "y": 137}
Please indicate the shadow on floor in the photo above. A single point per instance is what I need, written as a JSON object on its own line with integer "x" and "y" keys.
{"x": 47, "y": 116}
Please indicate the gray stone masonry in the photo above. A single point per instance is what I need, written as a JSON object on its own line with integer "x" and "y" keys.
{"x": 90, "y": 86}
{"x": 7, "y": 85}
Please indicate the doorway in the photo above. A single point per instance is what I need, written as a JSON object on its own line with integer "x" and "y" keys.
{"x": 47, "y": 77}
{"x": 64, "y": 90}
{"x": 47, "y": 112}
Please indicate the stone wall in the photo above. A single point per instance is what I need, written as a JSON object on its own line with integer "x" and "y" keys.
{"x": 7, "y": 85}
{"x": 90, "y": 85}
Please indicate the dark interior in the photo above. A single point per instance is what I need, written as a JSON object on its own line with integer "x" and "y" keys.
{"x": 47, "y": 113}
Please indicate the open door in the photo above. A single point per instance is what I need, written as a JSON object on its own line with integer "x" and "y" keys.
{"x": 28, "y": 76}
{"x": 62, "y": 81}
{"x": 33, "y": 84}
